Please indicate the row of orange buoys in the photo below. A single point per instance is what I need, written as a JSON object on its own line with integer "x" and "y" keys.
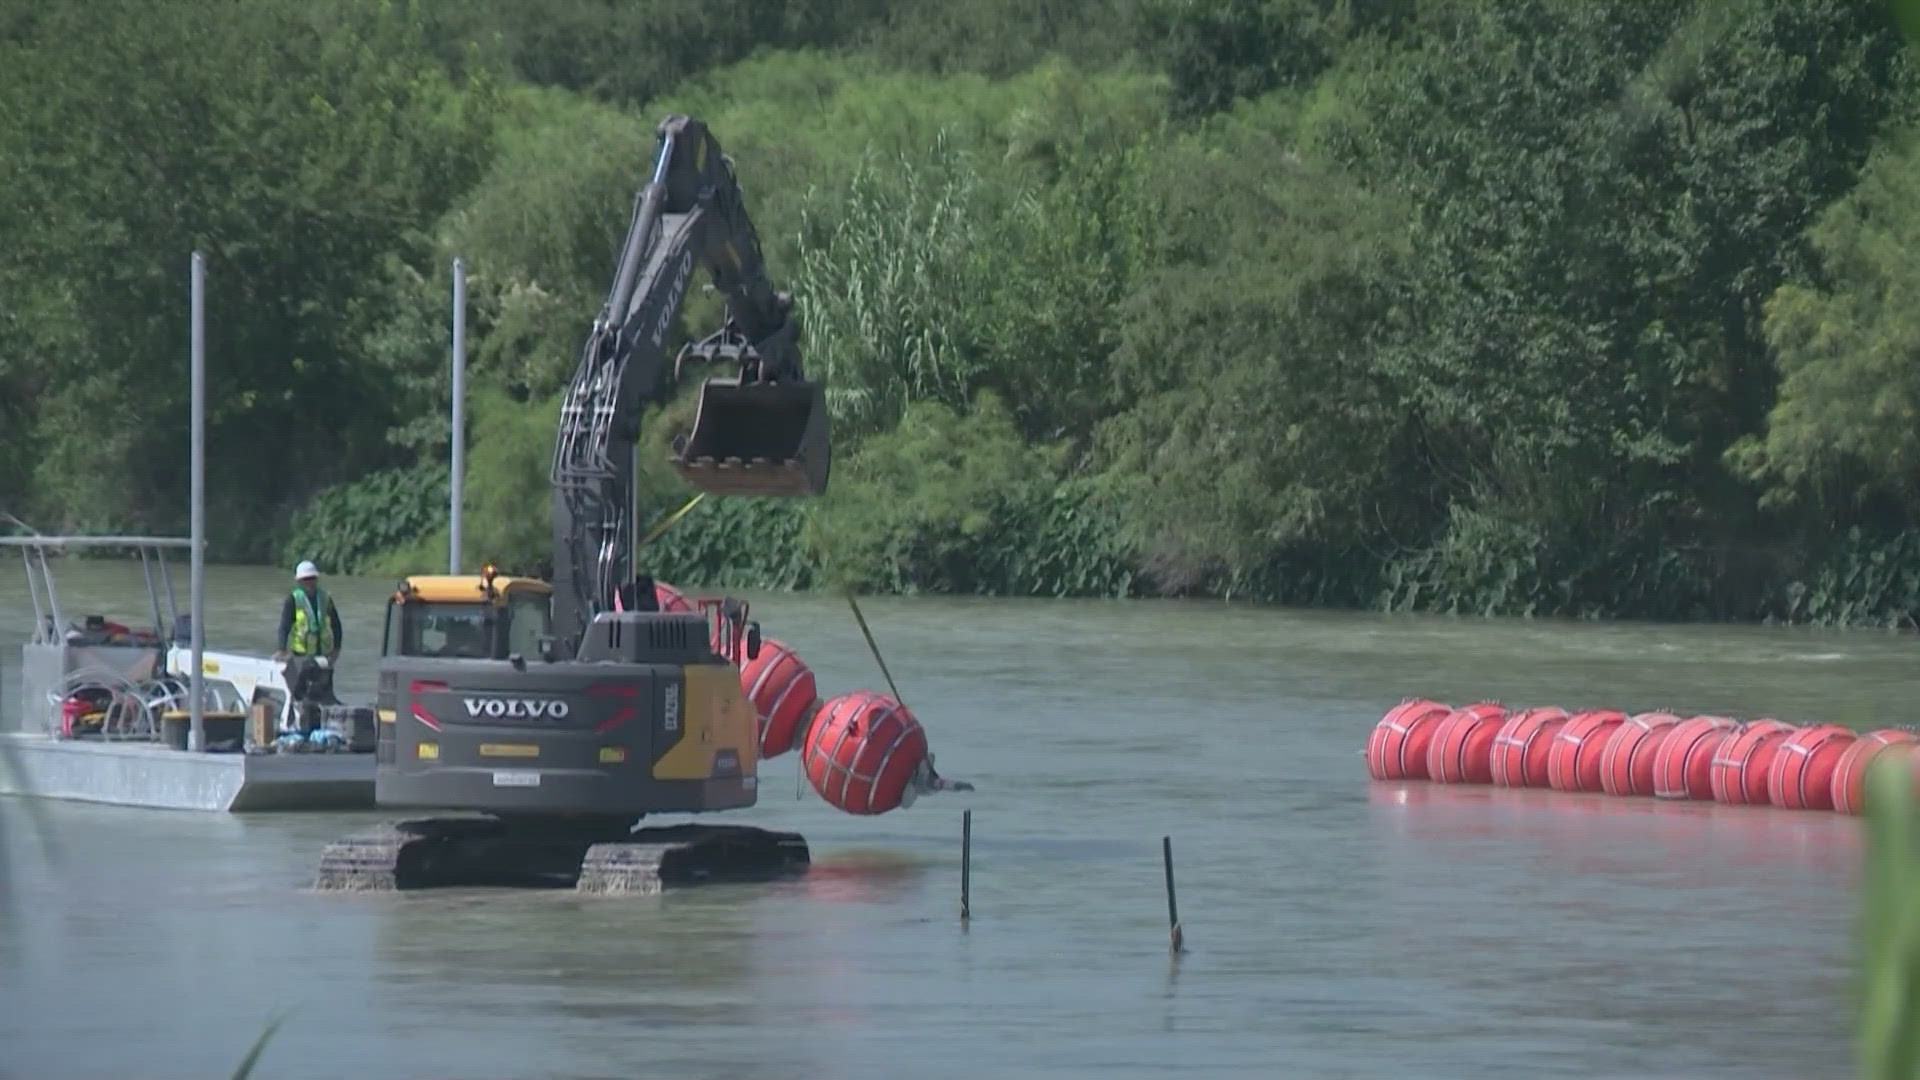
{"x": 862, "y": 751}
{"x": 1654, "y": 754}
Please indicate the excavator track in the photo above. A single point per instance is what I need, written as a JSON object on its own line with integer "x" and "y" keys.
{"x": 653, "y": 860}
{"x": 438, "y": 853}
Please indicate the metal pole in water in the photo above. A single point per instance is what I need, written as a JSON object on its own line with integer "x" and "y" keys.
{"x": 1178, "y": 942}
{"x": 197, "y": 731}
{"x": 966, "y": 865}
{"x": 459, "y": 467}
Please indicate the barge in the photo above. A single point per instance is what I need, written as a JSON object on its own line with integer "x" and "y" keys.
{"x": 105, "y": 714}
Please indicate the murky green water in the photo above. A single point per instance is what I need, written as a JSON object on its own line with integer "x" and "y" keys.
{"x": 1338, "y": 928}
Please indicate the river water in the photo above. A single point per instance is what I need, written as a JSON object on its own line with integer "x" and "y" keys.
{"x": 1336, "y": 927}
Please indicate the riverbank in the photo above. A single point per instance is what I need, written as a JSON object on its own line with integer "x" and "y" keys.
{"x": 1068, "y": 546}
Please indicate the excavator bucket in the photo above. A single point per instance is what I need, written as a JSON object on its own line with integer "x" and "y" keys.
{"x": 757, "y": 439}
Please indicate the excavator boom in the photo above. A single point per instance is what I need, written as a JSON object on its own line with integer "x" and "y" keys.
{"x": 760, "y": 431}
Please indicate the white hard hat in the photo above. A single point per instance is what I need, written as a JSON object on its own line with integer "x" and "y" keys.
{"x": 306, "y": 569}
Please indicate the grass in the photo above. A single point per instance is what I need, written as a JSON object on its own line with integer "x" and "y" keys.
{"x": 1889, "y": 1025}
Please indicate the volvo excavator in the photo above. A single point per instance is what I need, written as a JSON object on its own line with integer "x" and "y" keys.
{"x": 558, "y": 714}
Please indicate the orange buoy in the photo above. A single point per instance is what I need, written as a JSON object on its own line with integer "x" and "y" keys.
{"x": 1802, "y": 774}
{"x": 1740, "y": 764}
{"x": 1462, "y": 747}
{"x": 1683, "y": 767}
{"x": 670, "y": 599}
{"x": 1848, "y": 791}
{"x": 784, "y": 695}
{"x": 862, "y": 753}
{"x": 1626, "y": 762}
{"x": 1574, "y": 756}
{"x": 1520, "y": 747}
{"x": 1397, "y": 749}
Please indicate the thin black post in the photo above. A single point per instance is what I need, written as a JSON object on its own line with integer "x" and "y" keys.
{"x": 966, "y": 865}
{"x": 197, "y": 500}
{"x": 1173, "y": 905}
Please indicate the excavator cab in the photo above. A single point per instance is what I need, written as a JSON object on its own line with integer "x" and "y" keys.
{"x": 757, "y": 439}
{"x": 484, "y": 617}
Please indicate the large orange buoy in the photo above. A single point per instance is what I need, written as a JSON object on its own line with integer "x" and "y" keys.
{"x": 1626, "y": 763}
{"x": 1397, "y": 749}
{"x": 1848, "y": 790}
{"x": 1740, "y": 764}
{"x": 1520, "y": 748}
{"x": 671, "y": 600}
{"x": 784, "y": 695}
{"x": 862, "y": 753}
{"x": 1462, "y": 747}
{"x": 1574, "y": 756}
{"x": 1802, "y": 774}
{"x": 1683, "y": 769}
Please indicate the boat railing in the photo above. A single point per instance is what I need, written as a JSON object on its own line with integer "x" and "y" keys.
{"x": 106, "y": 680}
{"x": 44, "y": 593}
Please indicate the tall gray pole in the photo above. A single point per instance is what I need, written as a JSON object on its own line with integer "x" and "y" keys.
{"x": 459, "y": 414}
{"x": 197, "y": 731}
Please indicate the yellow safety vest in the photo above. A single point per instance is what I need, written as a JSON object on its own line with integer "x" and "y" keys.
{"x": 311, "y": 634}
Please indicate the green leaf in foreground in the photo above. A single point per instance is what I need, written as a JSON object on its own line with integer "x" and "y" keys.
{"x": 1889, "y": 1041}
{"x": 259, "y": 1046}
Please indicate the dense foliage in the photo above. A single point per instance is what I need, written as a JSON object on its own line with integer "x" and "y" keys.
{"x": 1527, "y": 306}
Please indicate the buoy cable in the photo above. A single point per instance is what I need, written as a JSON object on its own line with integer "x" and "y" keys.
{"x": 669, "y": 521}
{"x": 931, "y": 780}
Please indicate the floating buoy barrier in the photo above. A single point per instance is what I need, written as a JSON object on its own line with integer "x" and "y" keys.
{"x": 1684, "y": 767}
{"x": 1575, "y": 759}
{"x": 1658, "y": 754}
{"x": 1802, "y": 774}
{"x": 783, "y": 693}
{"x": 1741, "y": 764}
{"x": 1397, "y": 749}
{"x": 1520, "y": 748}
{"x": 865, "y": 753}
{"x": 1626, "y": 764}
{"x": 1850, "y": 772}
{"x": 1462, "y": 748}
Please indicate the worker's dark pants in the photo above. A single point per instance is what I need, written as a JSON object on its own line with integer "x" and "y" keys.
{"x": 311, "y": 686}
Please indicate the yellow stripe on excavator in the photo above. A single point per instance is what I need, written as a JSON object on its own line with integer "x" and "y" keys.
{"x": 714, "y": 717}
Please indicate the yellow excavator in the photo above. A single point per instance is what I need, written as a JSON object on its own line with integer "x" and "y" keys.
{"x": 558, "y": 714}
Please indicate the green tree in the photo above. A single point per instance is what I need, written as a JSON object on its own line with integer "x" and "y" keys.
{"x": 297, "y": 148}
{"x": 1844, "y": 435}
{"x": 1263, "y": 417}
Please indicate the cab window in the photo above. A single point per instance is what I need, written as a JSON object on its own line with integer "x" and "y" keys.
{"x": 448, "y": 631}
{"x": 529, "y": 618}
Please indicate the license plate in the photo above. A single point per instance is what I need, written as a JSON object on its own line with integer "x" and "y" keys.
{"x": 516, "y": 778}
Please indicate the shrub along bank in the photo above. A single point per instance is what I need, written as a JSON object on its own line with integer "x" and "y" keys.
{"x": 1269, "y": 299}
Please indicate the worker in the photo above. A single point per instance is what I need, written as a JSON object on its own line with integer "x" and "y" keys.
{"x": 464, "y": 639}
{"x": 310, "y": 638}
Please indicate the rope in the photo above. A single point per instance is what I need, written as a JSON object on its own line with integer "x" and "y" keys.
{"x": 873, "y": 647}
{"x": 669, "y": 521}
{"x": 926, "y": 778}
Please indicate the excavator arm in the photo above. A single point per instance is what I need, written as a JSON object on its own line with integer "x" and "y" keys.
{"x": 761, "y": 431}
